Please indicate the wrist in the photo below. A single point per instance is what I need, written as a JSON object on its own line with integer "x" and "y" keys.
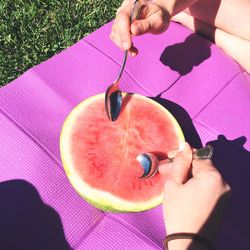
{"x": 180, "y": 244}
{"x": 184, "y": 244}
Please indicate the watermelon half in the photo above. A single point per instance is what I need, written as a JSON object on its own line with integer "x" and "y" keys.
{"x": 99, "y": 156}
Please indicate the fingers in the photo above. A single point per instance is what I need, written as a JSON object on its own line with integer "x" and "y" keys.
{"x": 121, "y": 29}
{"x": 152, "y": 19}
{"x": 202, "y": 166}
{"x": 124, "y": 29}
{"x": 165, "y": 166}
{"x": 155, "y": 23}
{"x": 151, "y": 25}
{"x": 203, "y": 171}
{"x": 177, "y": 170}
{"x": 120, "y": 33}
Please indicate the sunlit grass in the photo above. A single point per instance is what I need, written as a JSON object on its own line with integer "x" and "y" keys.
{"x": 32, "y": 31}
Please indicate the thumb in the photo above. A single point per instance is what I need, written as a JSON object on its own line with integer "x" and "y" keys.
{"x": 181, "y": 164}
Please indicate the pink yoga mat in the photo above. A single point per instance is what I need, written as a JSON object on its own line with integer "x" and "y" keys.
{"x": 205, "y": 90}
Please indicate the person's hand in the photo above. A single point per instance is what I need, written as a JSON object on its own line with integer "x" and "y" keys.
{"x": 193, "y": 194}
{"x": 152, "y": 19}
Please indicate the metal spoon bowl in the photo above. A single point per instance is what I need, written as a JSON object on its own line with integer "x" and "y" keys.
{"x": 150, "y": 163}
{"x": 113, "y": 95}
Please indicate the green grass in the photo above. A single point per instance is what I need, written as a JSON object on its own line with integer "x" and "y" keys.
{"x": 32, "y": 31}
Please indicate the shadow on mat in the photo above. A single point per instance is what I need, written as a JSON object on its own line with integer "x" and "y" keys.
{"x": 26, "y": 222}
{"x": 233, "y": 161}
{"x": 183, "y": 57}
{"x": 184, "y": 120}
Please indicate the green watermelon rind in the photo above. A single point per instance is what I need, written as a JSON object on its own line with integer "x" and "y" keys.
{"x": 111, "y": 208}
{"x": 103, "y": 200}
{"x": 105, "y": 204}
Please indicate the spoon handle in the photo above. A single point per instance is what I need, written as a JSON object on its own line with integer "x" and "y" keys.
{"x": 135, "y": 13}
{"x": 201, "y": 153}
{"x": 150, "y": 163}
{"x": 122, "y": 67}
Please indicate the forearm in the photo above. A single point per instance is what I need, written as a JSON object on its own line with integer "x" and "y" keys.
{"x": 175, "y": 6}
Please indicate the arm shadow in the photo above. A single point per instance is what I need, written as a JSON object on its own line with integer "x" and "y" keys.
{"x": 26, "y": 222}
{"x": 233, "y": 161}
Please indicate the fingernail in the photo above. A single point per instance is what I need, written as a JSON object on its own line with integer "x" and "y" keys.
{"x": 182, "y": 146}
{"x": 125, "y": 45}
{"x": 133, "y": 54}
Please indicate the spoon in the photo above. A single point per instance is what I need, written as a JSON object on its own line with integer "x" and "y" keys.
{"x": 150, "y": 163}
{"x": 113, "y": 95}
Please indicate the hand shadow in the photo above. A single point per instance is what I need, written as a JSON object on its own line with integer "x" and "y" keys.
{"x": 26, "y": 222}
{"x": 183, "y": 57}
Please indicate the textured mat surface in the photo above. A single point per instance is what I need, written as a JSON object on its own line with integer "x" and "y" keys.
{"x": 206, "y": 91}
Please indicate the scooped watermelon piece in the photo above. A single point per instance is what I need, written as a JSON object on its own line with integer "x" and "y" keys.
{"x": 99, "y": 156}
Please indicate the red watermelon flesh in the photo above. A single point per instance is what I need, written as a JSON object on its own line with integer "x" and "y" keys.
{"x": 102, "y": 153}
